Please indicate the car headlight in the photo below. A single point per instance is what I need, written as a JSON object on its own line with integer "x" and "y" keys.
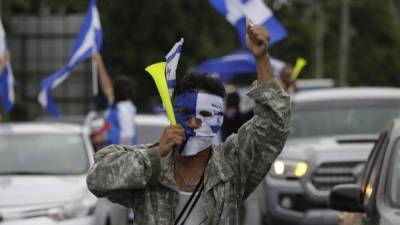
{"x": 74, "y": 209}
{"x": 289, "y": 168}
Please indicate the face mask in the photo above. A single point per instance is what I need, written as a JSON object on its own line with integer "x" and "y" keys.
{"x": 205, "y": 107}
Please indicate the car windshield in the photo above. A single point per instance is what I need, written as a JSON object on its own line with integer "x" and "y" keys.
{"x": 42, "y": 154}
{"x": 395, "y": 176}
{"x": 343, "y": 117}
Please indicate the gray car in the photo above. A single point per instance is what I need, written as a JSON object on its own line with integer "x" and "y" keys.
{"x": 43, "y": 177}
{"x": 375, "y": 199}
{"x": 333, "y": 133}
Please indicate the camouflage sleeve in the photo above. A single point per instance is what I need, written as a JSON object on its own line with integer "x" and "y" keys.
{"x": 258, "y": 142}
{"x": 119, "y": 170}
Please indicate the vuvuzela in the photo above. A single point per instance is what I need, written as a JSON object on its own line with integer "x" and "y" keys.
{"x": 157, "y": 71}
{"x": 300, "y": 64}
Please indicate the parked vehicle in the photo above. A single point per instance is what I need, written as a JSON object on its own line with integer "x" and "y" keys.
{"x": 376, "y": 198}
{"x": 314, "y": 84}
{"x": 150, "y": 127}
{"x": 333, "y": 133}
{"x": 43, "y": 177}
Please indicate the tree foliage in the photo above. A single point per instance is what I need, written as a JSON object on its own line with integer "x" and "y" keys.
{"x": 139, "y": 33}
{"x": 374, "y": 40}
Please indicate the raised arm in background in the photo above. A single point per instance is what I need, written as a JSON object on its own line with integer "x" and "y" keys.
{"x": 105, "y": 81}
{"x": 4, "y": 60}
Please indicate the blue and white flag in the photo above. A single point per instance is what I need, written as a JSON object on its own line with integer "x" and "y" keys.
{"x": 236, "y": 11}
{"x": 172, "y": 59}
{"x": 89, "y": 40}
{"x": 237, "y": 63}
{"x": 7, "y": 81}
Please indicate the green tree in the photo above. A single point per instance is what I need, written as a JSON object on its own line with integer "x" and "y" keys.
{"x": 374, "y": 41}
{"x": 139, "y": 33}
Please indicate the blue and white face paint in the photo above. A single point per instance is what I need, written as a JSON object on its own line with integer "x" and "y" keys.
{"x": 205, "y": 107}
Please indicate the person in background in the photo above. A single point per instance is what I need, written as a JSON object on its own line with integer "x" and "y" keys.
{"x": 286, "y": 77}
{"x": 116, "y": 125}
{"x": 284, "y": 71}
{"x": 119, "y": 126}
{"x": 233, "y": 117}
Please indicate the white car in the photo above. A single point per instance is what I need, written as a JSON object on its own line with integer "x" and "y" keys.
{"x": 43, "y": 177}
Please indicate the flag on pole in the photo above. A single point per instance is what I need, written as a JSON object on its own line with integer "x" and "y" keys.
{"x": 236, "y": 11}
{"x": 172, "y": 59}
{"x": 237, "y": 63}
{"x": 7, "y": 81}
{"x": 89, "y": 40}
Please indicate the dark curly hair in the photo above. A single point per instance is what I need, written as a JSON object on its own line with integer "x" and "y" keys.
{"x": 193, "y": 81}
{"x": 122, "y": 89}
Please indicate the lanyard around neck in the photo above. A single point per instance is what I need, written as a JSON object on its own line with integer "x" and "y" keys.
{"x": 191, "y": 202}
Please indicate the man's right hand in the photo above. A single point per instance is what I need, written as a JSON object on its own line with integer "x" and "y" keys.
{"x": 172, "y": 137}
{"x": 257, "y": 39}
{"x": 97, "y": 57}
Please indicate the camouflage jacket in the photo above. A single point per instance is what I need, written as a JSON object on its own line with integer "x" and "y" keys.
{"x": 137, "y": 177}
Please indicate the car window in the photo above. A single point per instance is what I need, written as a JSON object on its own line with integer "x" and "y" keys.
{"x": 394, "y": 176}
{"x": 373, "y": 167}
{"x": 345, "y": 117}
{"x": 42, "y": 154}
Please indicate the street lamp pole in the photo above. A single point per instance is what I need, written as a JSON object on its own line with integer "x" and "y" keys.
{"x": 344, "y": 43}
{"x": 319, "y": 39}
{"x": 319, "y": 29}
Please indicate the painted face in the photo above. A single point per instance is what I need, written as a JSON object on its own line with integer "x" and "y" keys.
{"x": 205, "y": 107}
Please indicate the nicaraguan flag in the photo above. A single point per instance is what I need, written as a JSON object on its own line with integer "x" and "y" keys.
{"x": 89, "y": 40}
{"x": 172, "y": 59}
{"x": 237, "y": 63}
{"x": 7, "y": 81}
{"x": 236, "y": 11}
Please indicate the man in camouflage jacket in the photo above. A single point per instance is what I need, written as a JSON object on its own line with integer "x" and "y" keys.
{"x": 143, "y": 177}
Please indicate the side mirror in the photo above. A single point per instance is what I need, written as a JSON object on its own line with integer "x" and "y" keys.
{"x": 346, "y": 197}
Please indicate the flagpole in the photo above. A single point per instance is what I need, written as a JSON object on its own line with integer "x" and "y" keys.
{"x": 95, "y": 78}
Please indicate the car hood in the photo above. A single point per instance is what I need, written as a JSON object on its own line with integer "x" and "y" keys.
{"x": 328, "y": 147}
{"x": 21, "y": 190}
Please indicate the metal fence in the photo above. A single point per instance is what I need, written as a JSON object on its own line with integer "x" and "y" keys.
{"x": 40, "y": 45}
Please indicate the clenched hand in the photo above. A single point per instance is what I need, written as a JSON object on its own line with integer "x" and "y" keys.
{"x": 172, "y": 137}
